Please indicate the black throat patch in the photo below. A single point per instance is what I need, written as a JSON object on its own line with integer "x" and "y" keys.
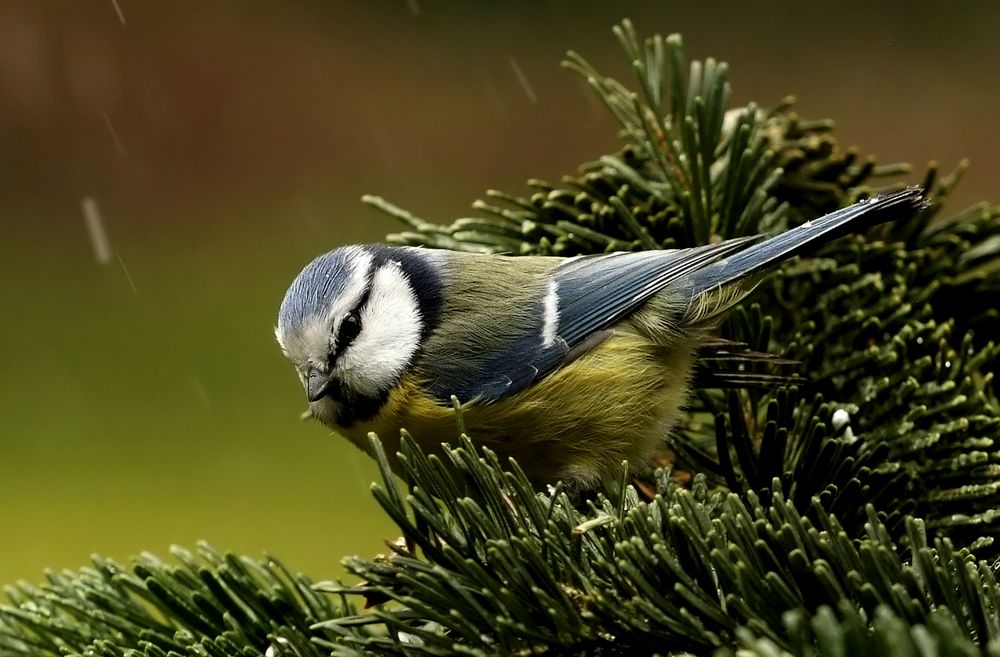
{"x": 359, "y": 408}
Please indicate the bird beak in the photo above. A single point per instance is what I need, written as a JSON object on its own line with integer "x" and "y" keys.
{"x": 318, "y": 386}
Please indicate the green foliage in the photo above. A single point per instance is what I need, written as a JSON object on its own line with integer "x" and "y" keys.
{"x": 824, "y": 634}
{"x": 205, "y": 605}
{"x": 506, "y": 570}
{"x": 855, "y": 513}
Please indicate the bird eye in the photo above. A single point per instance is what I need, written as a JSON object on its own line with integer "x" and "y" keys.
{"x": 349, "y": 329}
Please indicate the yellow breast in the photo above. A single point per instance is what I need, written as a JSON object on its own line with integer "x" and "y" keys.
{"x": 613, "y": 403}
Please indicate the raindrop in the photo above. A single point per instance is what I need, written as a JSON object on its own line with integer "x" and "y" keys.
{"x": 95, "y": 226}
{"x": 127, "y": 275}
{"x": 114, "y": 135}
{"x": 840, "y": 418}
{"x": 523, "y": 80}
{"x": 118, "y": 10}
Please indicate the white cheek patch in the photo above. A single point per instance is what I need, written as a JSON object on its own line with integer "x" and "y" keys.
{"x": 390, "y": 334}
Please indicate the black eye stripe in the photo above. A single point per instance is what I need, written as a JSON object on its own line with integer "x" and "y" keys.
{"x": 350, "y": 326}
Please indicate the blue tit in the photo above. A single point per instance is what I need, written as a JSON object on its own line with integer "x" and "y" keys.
{"x": 568, "y": 365}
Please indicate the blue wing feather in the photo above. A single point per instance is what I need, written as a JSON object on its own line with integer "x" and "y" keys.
{"x": 596, "y": 292}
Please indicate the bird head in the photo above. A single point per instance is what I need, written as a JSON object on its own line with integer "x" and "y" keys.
{"x": 350, "y": 324}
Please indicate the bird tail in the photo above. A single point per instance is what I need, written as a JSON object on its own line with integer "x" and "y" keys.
{"x": 720, "y": 285}
{"x": 876, "y": 210}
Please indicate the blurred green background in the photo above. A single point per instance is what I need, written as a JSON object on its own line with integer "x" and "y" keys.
{"x": 142, "y": 401}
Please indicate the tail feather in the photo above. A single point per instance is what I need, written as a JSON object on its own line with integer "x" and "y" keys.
{"x": 770, "y": 251}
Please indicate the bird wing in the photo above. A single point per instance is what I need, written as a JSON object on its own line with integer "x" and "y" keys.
{"x": 583, "y": 297}
{"x": 595, "y": 292}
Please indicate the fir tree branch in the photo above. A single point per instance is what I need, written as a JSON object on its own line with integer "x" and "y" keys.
{"x": 509, "y": 571}
{"x": 206, "y": 604}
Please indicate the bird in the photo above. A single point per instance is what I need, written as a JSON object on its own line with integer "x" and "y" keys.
{"x": 570, "y": 366}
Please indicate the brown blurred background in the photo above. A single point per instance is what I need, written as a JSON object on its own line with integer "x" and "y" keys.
{"x": 142, "y": 401}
